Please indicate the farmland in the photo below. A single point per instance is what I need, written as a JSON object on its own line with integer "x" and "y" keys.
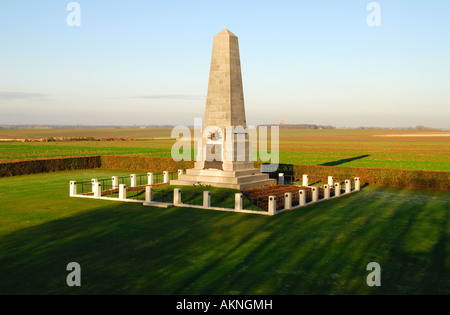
{"x": 125, "y": 248}
{"x": 394, "y": 149}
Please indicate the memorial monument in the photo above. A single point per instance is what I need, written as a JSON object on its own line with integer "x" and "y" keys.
{"x": 223, "y": 161}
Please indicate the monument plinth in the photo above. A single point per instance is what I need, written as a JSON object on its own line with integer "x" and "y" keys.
{"x": 222, "y": 161}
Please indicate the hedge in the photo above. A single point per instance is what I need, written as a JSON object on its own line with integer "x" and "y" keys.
{"x": 376, "y": 176}
{"x": 372, "y": 176}
{"x": 48, "y": 165}
{"x": 141, "y": 163}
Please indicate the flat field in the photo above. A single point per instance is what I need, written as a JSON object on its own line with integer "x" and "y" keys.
{"x": 394, "y": 149}
{"x": 126, "y": 248}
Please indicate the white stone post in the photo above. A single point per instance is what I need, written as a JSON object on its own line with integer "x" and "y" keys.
{"x": 280, "y": 179}
{"x": 305, "y": 181}
{"x": 166, "y": 176}
{"x": 238, "y": 202}
{"x": 315, "y": 194}
{"x": 93, "y": 182}
{"x": 207, "y": 199}
{"x": 357, "y": 184}
{"x": 288, "y": 201}
{"x": 180, "y": 172}
{"x": 302, "y": 197}
{"x": 149, "y": 178}
{"x": 177, "y": 196}
{"x": 348, "y": 186}
{"x": 73, "y": 188}
{"x": 337, "y": 189}
{"x": 148, "y": 194}
{"x": 122, "y": 191}
{"x": 133, "y": 180}
{"x": 115, "y": 182}
{"x": 272, "y": 205}
{"x": 97, "y": 190}
{"x": 330, "y": 181}
{"x": 326, "y": 192}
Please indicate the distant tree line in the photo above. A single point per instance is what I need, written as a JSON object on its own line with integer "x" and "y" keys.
{"x": 84, "y": 127}
{"x": 304, "y": 126}
{"x": 400, "y": 128}
{"x": 282, "y": 126}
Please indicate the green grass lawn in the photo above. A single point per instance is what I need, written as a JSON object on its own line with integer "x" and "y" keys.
{"x": 401, "y": 161}
{"x": 125, "y": 248}
{"x": 406, "y": 161}
{"x": 220, "y": 197}
{"x": 19, "y": 150}
{"x": 355, "y": 148}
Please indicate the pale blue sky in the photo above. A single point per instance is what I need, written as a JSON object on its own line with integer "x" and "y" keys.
{"x": 147, "y": 62}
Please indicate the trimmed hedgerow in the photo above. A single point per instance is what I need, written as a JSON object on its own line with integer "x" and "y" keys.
{"x": 141, "y": 163}
{"x": 376, "y": 176}
{"x": 372, "y": 176}
{"x": 48, "y": 165}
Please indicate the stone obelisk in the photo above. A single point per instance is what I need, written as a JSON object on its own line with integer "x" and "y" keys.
{"x": 224, "y": 106}
{"x": 225, "y": 101}
{"x": 218, "y": 163}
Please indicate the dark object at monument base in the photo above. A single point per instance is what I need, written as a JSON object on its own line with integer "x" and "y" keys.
{"x": 214, "y": 165}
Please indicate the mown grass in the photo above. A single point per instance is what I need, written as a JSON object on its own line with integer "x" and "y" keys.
{"x": 190, "y": 195}
{"x": 402, "y": 161}
{"x": 305, "y": 147}
{"x": 61, "y": 149}
{"x": 130, "y": 249}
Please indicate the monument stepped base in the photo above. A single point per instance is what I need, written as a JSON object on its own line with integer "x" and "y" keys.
{"x": 240, "y": 179}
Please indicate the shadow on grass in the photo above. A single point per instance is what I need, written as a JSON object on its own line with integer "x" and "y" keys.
{"x": 343, "y": 161}
{"x": 322, "y": 249}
